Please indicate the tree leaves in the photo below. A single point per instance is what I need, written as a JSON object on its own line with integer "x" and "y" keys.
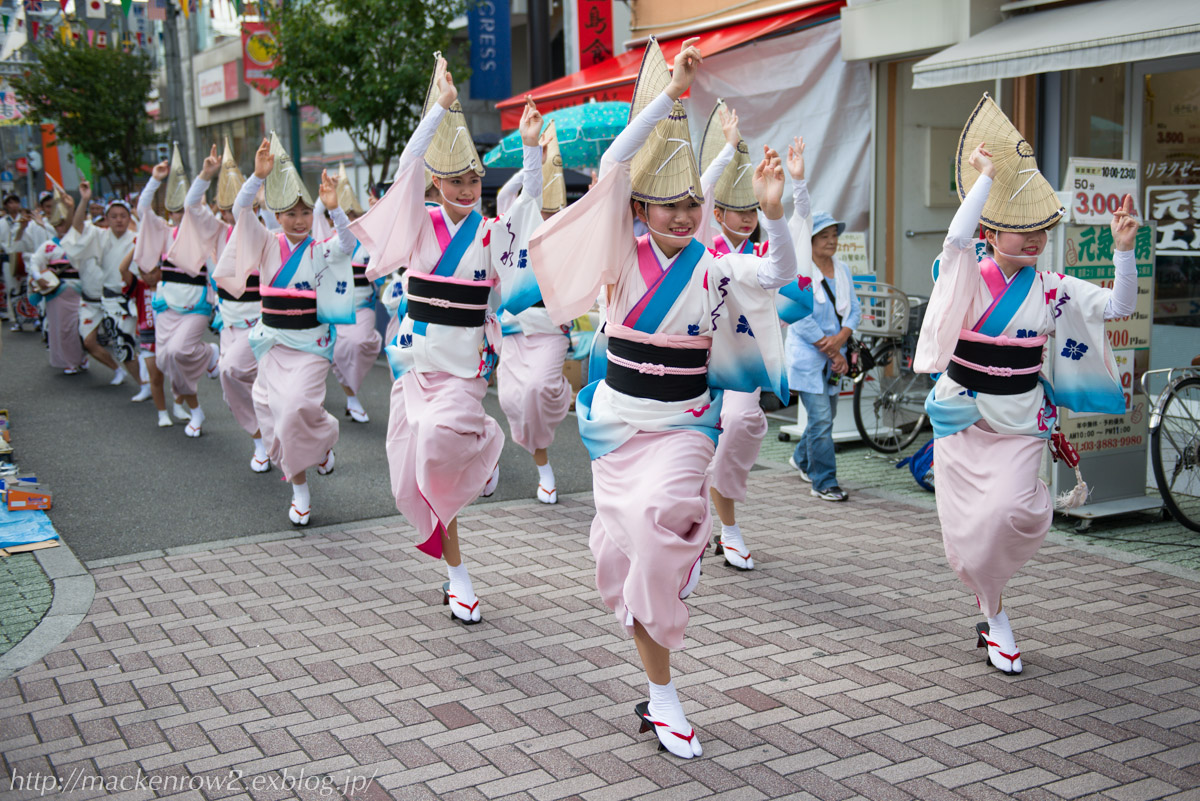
{"x": 364, "y": 63}
{"x": 96, "y": 98}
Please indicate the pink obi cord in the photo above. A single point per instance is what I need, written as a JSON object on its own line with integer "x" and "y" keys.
{"x": 442, "y": 303}
{"x": 1004, "y": 341}
{"x": 649, "y": 368}
{"x": 274, "y": 292}
{"x": 450, "y": 280}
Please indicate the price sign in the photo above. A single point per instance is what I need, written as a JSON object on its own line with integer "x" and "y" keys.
{"x": 1097, "y": 187}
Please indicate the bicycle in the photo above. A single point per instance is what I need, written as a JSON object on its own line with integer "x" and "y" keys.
{"x": 889, "y": 399}
{"x": 1175, "y": 442}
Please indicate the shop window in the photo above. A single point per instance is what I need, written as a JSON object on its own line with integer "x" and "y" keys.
{"x": 1098, "y": 119}
{"x": 1170, "y": 164}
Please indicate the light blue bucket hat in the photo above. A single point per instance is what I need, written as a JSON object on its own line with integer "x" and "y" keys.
{"x": 823, "y": 220}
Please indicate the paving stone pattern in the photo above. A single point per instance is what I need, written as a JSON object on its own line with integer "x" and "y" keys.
{"x": 844, "y": 667}
{"x": 25, "y": 595}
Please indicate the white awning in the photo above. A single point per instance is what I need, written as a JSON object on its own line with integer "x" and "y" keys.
{"x": 1088, "y": 35}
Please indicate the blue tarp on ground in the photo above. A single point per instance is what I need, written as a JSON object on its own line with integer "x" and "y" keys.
{"x": 23, "y": 528}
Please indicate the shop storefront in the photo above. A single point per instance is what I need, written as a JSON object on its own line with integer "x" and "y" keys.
{"x": 225, "y": 105}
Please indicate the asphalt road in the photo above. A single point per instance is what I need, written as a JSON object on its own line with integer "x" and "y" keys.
{"x": 123, "y": 486}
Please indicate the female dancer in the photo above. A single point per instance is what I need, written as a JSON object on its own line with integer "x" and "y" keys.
{"x": 56, "y": 279}
{"x": 442, "y": 447}
{"x": 534, "y": 393}
{"x": 304, "y": 289}
{"x": 986, "y": 331}
{"x": 679, "y": 321}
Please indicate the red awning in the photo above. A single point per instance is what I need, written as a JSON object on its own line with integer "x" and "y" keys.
{"x": 613, "y": 79}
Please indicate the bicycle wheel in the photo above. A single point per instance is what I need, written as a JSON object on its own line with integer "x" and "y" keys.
{"x": 889, "y": 402}
{"x": 1175, "y": 452}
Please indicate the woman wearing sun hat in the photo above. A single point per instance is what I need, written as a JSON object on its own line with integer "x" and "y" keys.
{"x": 443, "y": 448}
{"x": 678, "y": 321}
{"x": 986, "y": 331}
{"x": 816, "y": 347}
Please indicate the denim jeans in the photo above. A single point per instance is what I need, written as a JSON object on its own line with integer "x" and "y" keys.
{"x": 814, "y": 451}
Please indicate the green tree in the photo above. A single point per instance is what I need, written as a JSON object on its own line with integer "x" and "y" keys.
{"x": 96, "y": 99}
{"x": 364, "y": 63}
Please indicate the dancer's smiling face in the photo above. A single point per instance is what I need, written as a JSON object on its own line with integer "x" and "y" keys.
{"x": 296, "y": 221}
{"x": 462, "y": 191}
{"x": 738, "y": 224}
{"x": 671, "y": 224}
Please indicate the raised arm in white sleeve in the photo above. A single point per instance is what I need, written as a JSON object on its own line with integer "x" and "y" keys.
{"x": 801, "y": 203}
{"x": 341, "y": 224}
{"x": 713, "y": 174}
{"x": 966, "y": 219}
{"x": 146, "y": 198}
{"x": 1123, "y": 298}
{"x": 780, "y": 265}
{"x": 630, "y": 140}
{"x": 508, "y": 193}
{"x": 245, "y": 196}
{"x": 531, "y": 171}
{"x": 421, "y": 138}
{"x": 195, "y": 193}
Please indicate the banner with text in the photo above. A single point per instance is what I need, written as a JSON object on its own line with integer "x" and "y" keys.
{"x": 491, "y": 50}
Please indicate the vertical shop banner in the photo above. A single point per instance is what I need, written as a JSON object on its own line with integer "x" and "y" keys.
{"x": 1088, "y": 255}
{"x": 595, "y": 31}
{"x": 1176, "y": 209}
{"x": 258, "y": 51}
{"x": 491, "y": 49}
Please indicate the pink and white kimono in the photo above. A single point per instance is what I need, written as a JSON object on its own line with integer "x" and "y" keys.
{"x": 183, "y": 301}
{"x": 650, "y": 457}
{"x": 305, "y": 290}
{"x": 62, "y": 304}
{"x": 99, "y": 253}
{"x": 988, "y": 445}
{"x": 534, "y": 393}
{"x": 442, "y": 447}
{"x": 201, "y": 240}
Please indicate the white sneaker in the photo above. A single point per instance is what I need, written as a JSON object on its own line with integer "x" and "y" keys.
{"x": 796, "y": 467}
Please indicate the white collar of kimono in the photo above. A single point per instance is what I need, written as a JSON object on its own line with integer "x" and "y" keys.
{"x": 663, "y": 261}
{"x": 842, "y": 286}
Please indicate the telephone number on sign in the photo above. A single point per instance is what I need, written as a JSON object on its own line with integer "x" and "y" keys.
{"x": 1106, "y": 444}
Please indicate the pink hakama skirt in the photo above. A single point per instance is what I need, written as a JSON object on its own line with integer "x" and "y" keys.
{"x": 534, "y": 393}
{"x": 288, "y": 396}
{"x": 238, "y": 369}
{"x": 180, "y": 350}
{"x": 62, "y": 329}
{"x": 993, "y": 508}
{"x": 442, "y": 448}
{"x": 652, "y": 523}
{"x": 355, "y": 349}
{"x": 743, "y": 426}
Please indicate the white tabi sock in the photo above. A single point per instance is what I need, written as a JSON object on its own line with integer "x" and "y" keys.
{"x": 119, "y": 376}
{"x": 1000, "y": 631}
{"x": 460, "y": 583}
{"x": 546, "y": 476}
{"x": 164, "y": 419}
{"x": 143, "y": 370}
{"x": 260, "y": 450}
{"x": 197, "y": 417}
{"x": 301, "y": 497}
{"x": 353, "y": 404}
{"x": 731, "y": 537}
{"x": 665, "y": 706}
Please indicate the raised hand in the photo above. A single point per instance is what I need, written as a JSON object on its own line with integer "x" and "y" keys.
{"x": 768, "y": 184}
{"x": 795, "y": 158}
{"x": 531, "y": 123}
{"x": 328, "y": 191}
{"x": 212, "y": 165}
{"x": 729, "y": 126}
{"x": 264, "y": 161}
{"x": 981, "y": 160}
{"x": 85, "y": 191}
{"x": 686, "y": 64}
{"x": 444, "y": 81}
{"x": 161, "y": 170}
{"x": 1124, "y": 225}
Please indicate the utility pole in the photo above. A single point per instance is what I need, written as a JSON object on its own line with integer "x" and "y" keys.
{"x": 176, "y": 108}
{"x": 539, "y": 42}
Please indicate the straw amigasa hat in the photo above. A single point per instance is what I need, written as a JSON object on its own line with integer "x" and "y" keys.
{"x": 283, "y": 187}
{"x": 664, "y": 169}
{"x": 1021, "y": 198}
{"x": 452, "y": 151}
{"x": 177, "y": 182}
{"x": 347, "y": 200}
{"x": 735, "y": 187}
{"x": 59, "y": 213}
{"x": 229, "y": 180}
{"x": 554, "y": 188}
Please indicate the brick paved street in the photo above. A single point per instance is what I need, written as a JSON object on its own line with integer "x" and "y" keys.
{"x": 844, "y": 667}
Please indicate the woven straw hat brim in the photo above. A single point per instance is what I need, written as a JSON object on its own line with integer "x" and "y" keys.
{"x": 554, "y": 188}
{"x": 653, "y": 77}
{"x": 452, "y": 152}
{"x": 1021, "y": 199}
{"x": 177, "y": 183}
{"x": 283, "y": 187}
{"x": 347, "y": 200}
{"x": 714, "y": 137}
{"x": 664, "y": 169}
{"x": 229, "y": 180}
{"x": 59, "y": 213}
